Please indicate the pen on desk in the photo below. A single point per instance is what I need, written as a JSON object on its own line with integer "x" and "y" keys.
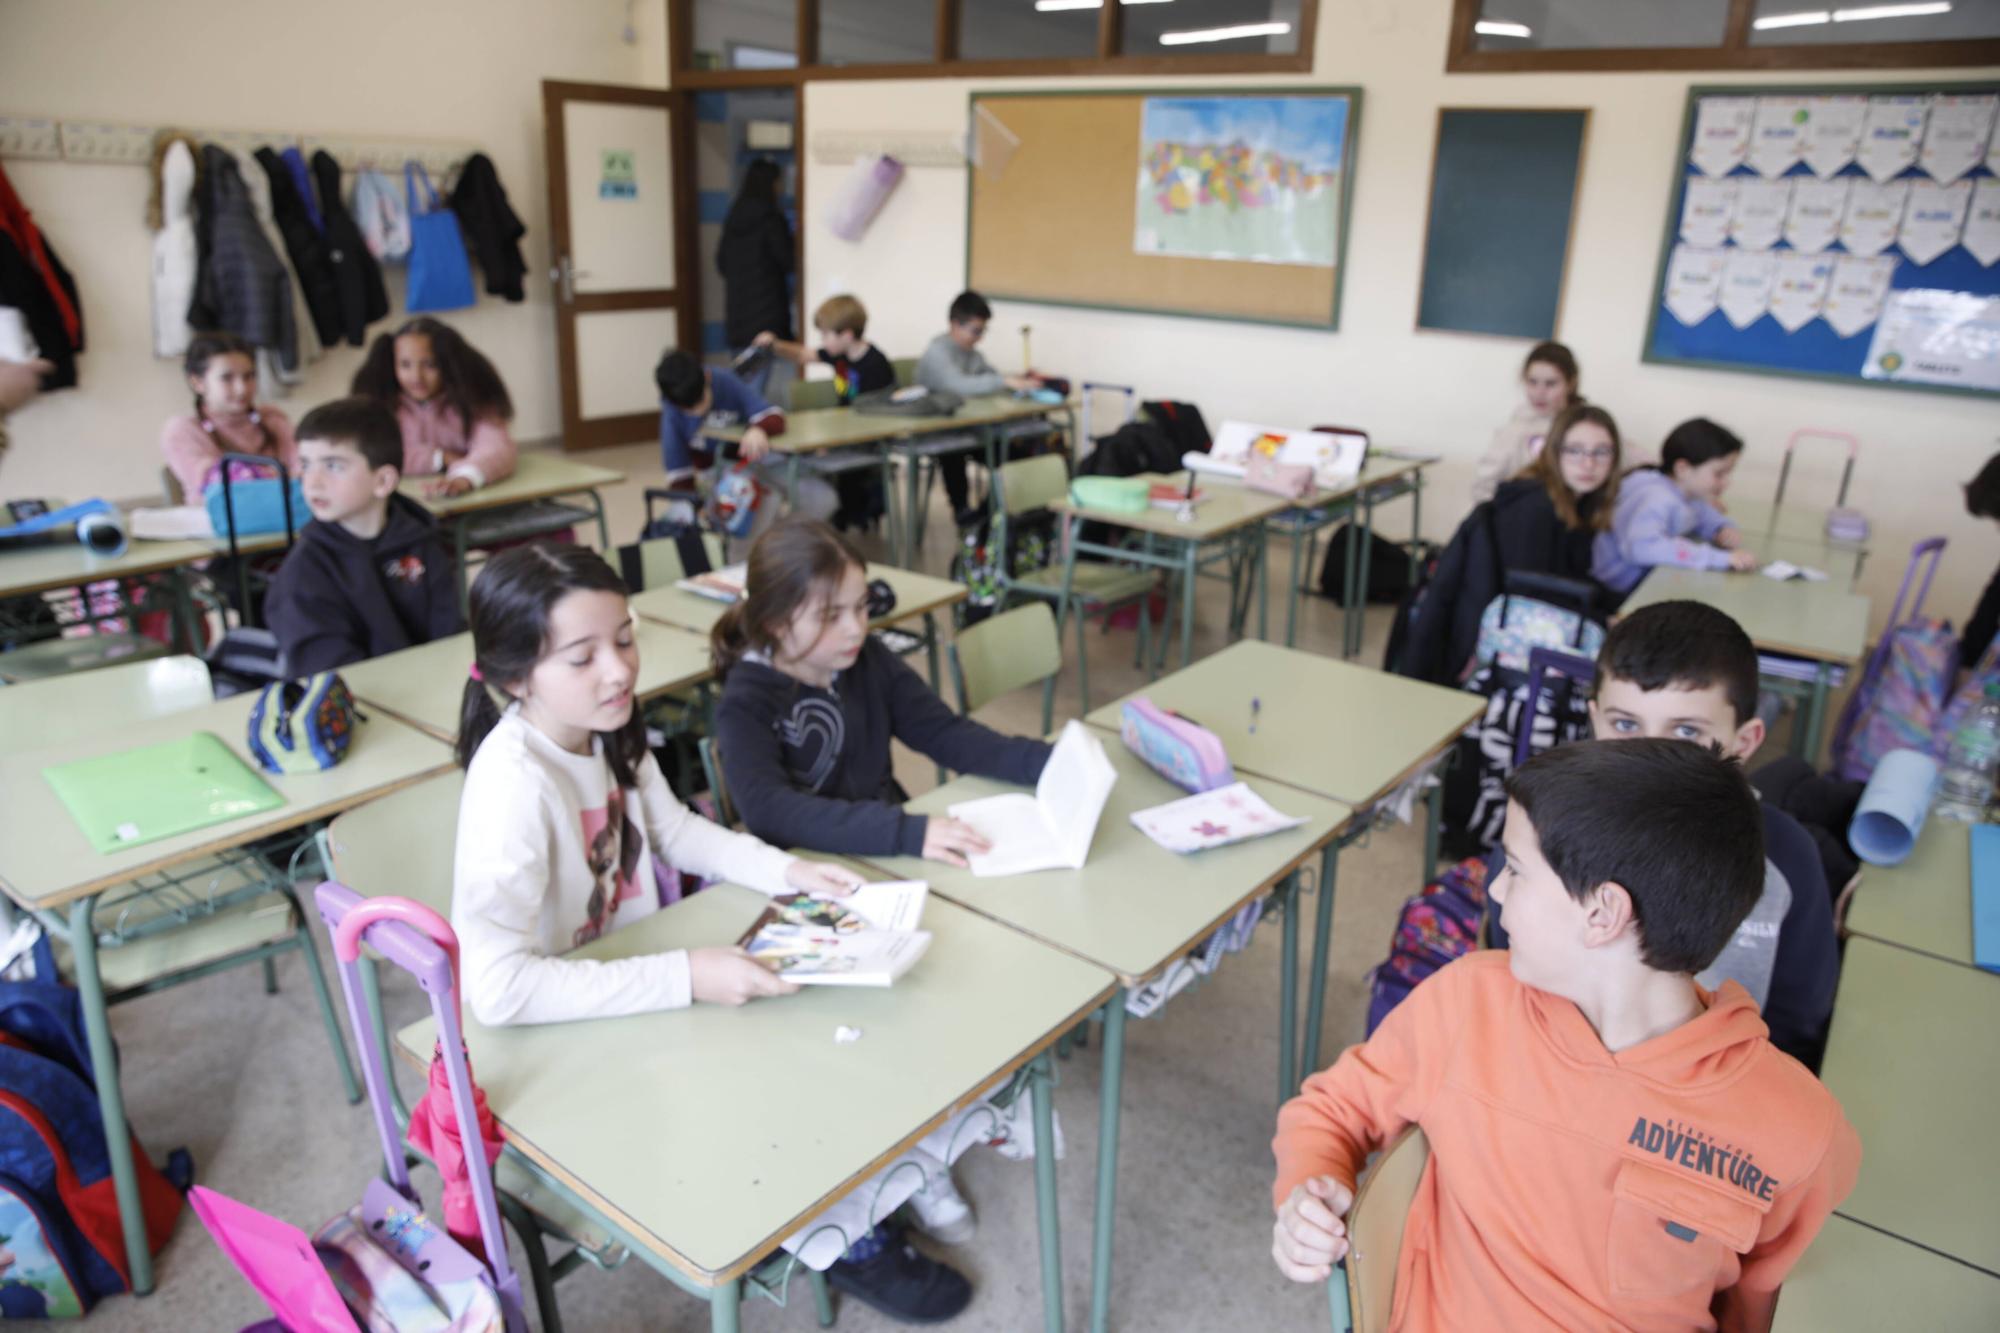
{"x": 1255, "y": 706}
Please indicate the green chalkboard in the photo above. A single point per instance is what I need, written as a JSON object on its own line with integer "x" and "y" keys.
{"x": 1503, "y": 188}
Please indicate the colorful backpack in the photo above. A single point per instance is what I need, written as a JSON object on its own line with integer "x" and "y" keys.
{"x": 1900, "y": 700}
{"x": 1437, "y": 927}
{"x": 303, "y": 726}
{"x": 61, "y": 1245}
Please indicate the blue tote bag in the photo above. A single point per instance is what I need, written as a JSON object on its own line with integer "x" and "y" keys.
{"x": 440, "y": 276}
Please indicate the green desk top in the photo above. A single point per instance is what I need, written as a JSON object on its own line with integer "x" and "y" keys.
{"x": 1800, "y": 522}
{"x": 1330, "y": 727}
{"x": 709, "y": 1134}
{"x": 1229, "y": 506}
{"x": 538, "y": 475}
{"x": 425, "y": 685}
{"x": 40, "y": 568}
{"x": 1925, "y": 903}
{"x": 1134, "y": 907}
{"x": 1913, "y": 1061}
{"x": 1820, "y": 621}
{"x": 1841, "y": 563}
{"x": 839, "y": 427}
{"x": 915, "y": 594}
{"x": 1857, "y": 1280}
{"x": 48, "y": 712}
{"x": 45, "y": 860}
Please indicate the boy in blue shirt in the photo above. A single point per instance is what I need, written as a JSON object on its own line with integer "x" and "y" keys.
{"x": 696, "y": 398}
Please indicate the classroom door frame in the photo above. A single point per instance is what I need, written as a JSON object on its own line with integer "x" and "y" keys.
{"x": 682, "y": 298}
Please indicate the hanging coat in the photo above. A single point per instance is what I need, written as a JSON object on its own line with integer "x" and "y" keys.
{"x": 754, "y": 257}
{"x": 22, "y": 286}
{"x": 272, "y": 370}
{"x": 174, "y": 253}
{"x": 490, "y": 226}
{"x": 304, "y": 247}
{"x": 242, "y": 286}
{"x": 359, "y": 281}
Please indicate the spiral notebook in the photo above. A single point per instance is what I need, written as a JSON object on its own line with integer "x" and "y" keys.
{"x": 138, "y": 796}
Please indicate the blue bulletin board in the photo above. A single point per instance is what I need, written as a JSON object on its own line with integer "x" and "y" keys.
{"x": 1836, "y": 232}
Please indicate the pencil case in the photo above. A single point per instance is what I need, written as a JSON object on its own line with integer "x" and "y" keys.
{"x": 1113, "y": 495}
{"x": 1185, "y": 754}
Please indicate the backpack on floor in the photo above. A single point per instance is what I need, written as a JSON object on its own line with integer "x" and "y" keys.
{"x": 976, "y": 564}
{"x": 1437, "y": 927}
{"x": 59, "y": 1224}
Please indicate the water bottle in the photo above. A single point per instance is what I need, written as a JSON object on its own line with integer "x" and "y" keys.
{"x": 1966, "y": 787}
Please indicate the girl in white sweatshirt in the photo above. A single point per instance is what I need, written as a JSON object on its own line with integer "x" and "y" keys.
{"x": 565, "y": 808}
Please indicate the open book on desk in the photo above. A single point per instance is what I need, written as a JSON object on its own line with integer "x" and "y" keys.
{"x": 1052, "y": 829}
{"x": 720, "y": 585}
{"x": 868, "y": 938}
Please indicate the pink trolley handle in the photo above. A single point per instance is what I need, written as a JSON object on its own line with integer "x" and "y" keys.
{"x": 1814, "y": 434}
{"x": 421, "y": 942}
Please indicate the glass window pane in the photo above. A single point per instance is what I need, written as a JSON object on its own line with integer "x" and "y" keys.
{"x": 745, "y": 34}
{"x": 1806, "y": 23}
{"x": 877, "y": 32}
{"x": 1027, "y": 29}
{"x": 1210, "y": 27}
{"x": 1581, "y": 25}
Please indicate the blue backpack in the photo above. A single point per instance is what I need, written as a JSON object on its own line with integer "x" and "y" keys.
{"x": 61, "y": 1247}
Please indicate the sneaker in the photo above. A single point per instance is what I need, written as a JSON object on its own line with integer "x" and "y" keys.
{"x": 903, "y": 1284}
{"x": 941, "y": 1210}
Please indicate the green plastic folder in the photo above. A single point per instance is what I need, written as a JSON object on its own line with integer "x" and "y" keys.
{"x": 138, "y": 796}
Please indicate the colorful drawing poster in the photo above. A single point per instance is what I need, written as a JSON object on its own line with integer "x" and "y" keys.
{"x": 1982, "y": 221}
{"x": 1244, "y": 178}
{"x": 1817, "y": 209}
{"x": 1891, "y": 131}
{"x": 1706, "y": 210}
{"x": 1721, "y": 133}
{"x": 1778, "y": 134}
{"x": 1937, "y": 337}
{"x": 1960, "y": 129}
{"x": 1833, "y": 133}
{"x": 1933, "y": 218}
{"x": 1694, "y": 282}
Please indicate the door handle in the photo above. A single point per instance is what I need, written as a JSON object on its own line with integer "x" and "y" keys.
{"x": 564, "y": 279}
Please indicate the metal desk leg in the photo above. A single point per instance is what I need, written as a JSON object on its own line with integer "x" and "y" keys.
{"x": 1322, "y": 964}
{"x": 1292, "y": 596}
{"x": 1815, "y": 716}
{"x": 1416, "y": 523}
{"x": 1433, "y": 826}
{"x": 725, "y": 1302}
{"x": 1190, "y": 572}
{"x": 110, "y": 1094}
{"x": 894, "y": 536}
{"x": 931, "y": 646}
{"x": 1107, "y": 1161}
{"x": 1350, "y": 588}
{"x": 603, "y": 524}
{"x": 459, "y": 526}
{"x": 1070, "y": 523}
{"x": 1261, "y": 572}
{"x": 1041, "y": 1083}
{"x": 1288, "y": 990}
{"x": 1358, "y": 622}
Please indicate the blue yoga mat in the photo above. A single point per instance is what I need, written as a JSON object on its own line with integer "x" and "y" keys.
{"x": 1986, "y": 896}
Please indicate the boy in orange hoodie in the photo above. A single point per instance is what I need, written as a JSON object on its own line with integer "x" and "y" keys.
{"x": 1612, "y": 1147}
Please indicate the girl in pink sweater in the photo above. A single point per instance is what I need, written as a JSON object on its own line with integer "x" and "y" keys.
{"x": 222, "y": 371}
{"x": 450, "y": 402}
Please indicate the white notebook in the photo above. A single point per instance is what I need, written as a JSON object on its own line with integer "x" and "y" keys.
{"x": 721, "y": 585}
{"x": 1052, "y": 829}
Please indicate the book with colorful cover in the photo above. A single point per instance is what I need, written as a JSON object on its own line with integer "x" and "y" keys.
{"x": 868, "y": 938}
{"x": 1212, "y": 819}
{"x": 721, "y": 585}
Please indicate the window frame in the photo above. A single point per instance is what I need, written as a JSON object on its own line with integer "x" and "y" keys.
{"x": 1736, "y": 52}
{"x": 945, "y": 61}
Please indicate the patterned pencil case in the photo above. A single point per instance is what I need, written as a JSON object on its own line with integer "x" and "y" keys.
{"x": 1185, "y": 754}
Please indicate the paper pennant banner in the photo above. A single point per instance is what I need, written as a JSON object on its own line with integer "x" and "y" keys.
{"x": 1891, "y": 132}
{"x": 1759, "y": 218}
{"x": 1874, "y": 212}
{"x": 1833, "y": 133}
{"x": 1982, "y": 221}
{"x": 1817, "y": 209}
{"x": 1778, "y": 134}
{"x": 1933, "y": 218}
{"x": 1960, "y": 129}
{"x": 1706, "y": 209}
{"x": 1747, "y": 276}
{"x": 1721, "y": 133}
{"x": 1694, "y": 282}
{"x": 1854, "y": 293}
{"x": 1799, "y": 289}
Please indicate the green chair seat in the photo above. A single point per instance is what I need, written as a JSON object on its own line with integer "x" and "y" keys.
{"x": 1095, "y": 581}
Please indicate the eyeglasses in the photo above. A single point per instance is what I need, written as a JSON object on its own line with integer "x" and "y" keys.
{"x": 1579, "y": 453}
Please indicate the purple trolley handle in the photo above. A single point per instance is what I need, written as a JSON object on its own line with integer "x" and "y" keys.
{"x": 1541, "y": 661}
{"x": 421, "y": 942}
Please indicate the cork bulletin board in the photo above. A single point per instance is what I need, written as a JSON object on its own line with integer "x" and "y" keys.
{"x": 1219, "y": 203}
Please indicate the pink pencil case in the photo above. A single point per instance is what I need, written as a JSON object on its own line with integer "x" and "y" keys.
{"x": 1189, "y": 756}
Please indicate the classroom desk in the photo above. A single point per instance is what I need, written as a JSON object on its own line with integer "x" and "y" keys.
{"x": 1383, "y": 477}
{"x": 1369, "y": 732}
{"x": 38, "y": 569}
{"x": 48, "y": 712}
{"x": 704, "y": 1187}
{"x": 425, "y": 685}
{"x": 1134, "y": 910}
{"x": 1841, "y": 563}
{"x": 1855, "y": 1279}
{"x": 1823, "y": 623}
{"x": 1232, "y": 517}
{"x": 917, "y": 595}
{"x": 1924, "y": 904}
{"x": 1912, "y": 1060}
{"x": 47, "y": 865}
{"x": 1802, "y": 522}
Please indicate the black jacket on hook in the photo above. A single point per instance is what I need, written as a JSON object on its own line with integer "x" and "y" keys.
{"x": 355, "y": 274}
{"x": 490, "y": 226}
{"x": 304, "y": 246}
{"x": 241, "y": 284}
{"x": 22, "y": 287}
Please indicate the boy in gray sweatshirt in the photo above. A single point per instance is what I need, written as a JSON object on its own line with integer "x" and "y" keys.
{"x": 953, "y": 364}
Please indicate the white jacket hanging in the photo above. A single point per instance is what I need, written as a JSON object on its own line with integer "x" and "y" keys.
{"x": 276, "y": 377}
{"x": 383, "y": 216}
{"x": 174, "y": 254}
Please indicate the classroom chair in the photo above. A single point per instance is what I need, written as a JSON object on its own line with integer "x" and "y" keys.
{"x": 711, "y": 769}
{"x": 656, "y": 562}
{"x": 1029, "y": 486}
{"x": 1360, "y": 1289}
{"x": 1005, "y": 652}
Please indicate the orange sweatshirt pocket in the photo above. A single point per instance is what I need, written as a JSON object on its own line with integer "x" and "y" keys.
{"x": 1671, "y": 1234}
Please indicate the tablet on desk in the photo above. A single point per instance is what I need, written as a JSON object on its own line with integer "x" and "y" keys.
{"x": 138, "y": 796}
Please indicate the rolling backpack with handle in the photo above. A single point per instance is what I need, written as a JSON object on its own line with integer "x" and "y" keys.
{"x": 1842, "y": 523}
{"x": 1906, "y": 683}
{"x": 247, "y": 656}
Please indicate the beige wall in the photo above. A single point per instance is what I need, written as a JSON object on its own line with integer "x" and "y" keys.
{"x": 1434, "y": 391}
{"x": 466, "y": 70}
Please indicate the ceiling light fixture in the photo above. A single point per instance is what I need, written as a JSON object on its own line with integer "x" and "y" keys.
{"x": 1224, "y": 34}
{"x": 1495, "y": 28}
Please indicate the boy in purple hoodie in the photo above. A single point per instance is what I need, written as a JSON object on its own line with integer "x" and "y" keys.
{"x": 1669, "y": 516}
{"x": 369, "y": 575}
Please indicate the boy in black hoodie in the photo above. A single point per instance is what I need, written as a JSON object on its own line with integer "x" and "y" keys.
{"x": 369, "y": 575}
